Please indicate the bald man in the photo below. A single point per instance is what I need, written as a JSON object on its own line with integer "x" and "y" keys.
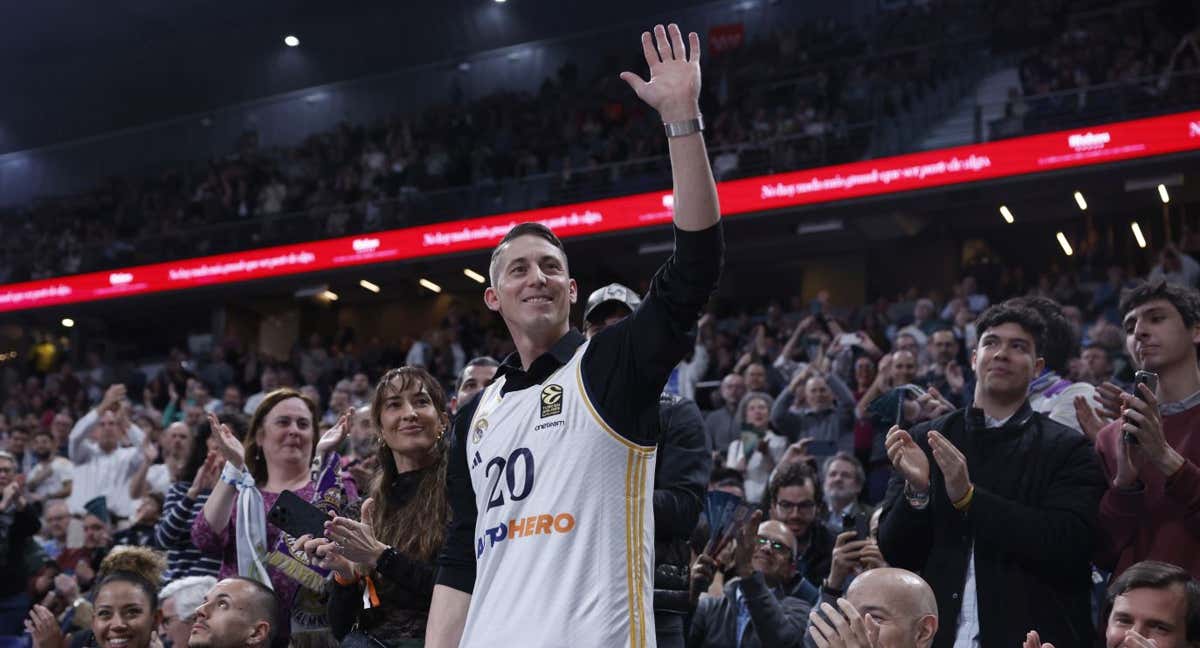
{"x": 884, "y": 608}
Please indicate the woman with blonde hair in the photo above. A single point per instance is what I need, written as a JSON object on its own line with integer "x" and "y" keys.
{"x": 390, "y": 553}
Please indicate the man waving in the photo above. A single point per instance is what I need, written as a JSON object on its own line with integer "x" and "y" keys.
{"x": 551, "y": 467}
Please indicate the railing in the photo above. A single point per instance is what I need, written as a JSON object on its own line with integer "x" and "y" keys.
{"x": 1094, "y": 104}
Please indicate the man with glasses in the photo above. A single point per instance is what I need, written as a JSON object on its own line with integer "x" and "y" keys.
{"x": 792, "y": 500}
{"x": 180, "y": 600}
{"x": 756, "y": 609}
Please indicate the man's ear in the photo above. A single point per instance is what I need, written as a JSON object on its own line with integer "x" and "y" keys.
{"x": 1038, "y": 365}
{"x": 572, "y": 291}
{"x": 1195, "y": 341}
{"x": 491, "y": 299}
{"x": 926, "y": 628}
{"x": 260, "y": 633}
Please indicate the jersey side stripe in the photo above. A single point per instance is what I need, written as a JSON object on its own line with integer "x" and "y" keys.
{"x": 641, "y": 566}
{"x": 631, "y": 459}
{"x": 587, "y": 400}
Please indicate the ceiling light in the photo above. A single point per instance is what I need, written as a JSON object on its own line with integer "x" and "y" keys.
{"x": 429, "y": 285}
{"x": 1066, "y": 246}
{"x": 1080, "y": 201}
{"x": 1008, "y": 217}
{"x": 291, "y": 41}
{"x": 1137, "y": 233}
{"x": 68, "y": 322}
{"x": 329, "y": 295}
{"x": 368, "y": 285}
{"x": 1162, "y": 193}
{"x": 474, "y": 276}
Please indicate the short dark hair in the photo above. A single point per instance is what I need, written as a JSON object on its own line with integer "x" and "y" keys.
{"x": 481, "y": 361}
{"x": 1186, "y": 300}
{"x": 792, "y": 474}
{"x": 859, "y": 472}
{"x": 1023, "y": 316}
{"x": 519, "y": 230}
{"x": 41, "y": 431}
{"x": 1062, "y": 343}
{"x": 1154, "y": 574}
{"x": 267, "y": 605}
{"x": 723, "y": 476}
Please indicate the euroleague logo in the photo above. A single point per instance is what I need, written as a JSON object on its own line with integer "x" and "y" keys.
{"x": 552, "y": 398}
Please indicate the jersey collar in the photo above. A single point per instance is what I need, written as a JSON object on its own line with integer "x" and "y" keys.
{"x": 560, "y": 354}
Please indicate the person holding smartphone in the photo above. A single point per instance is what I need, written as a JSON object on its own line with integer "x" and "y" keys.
{"x": 759, "y": 448}
{"x": 1151, "y": 452}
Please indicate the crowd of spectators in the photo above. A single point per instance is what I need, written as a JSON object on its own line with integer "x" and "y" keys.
{"x": 797, "y": 399}
{"x": 801, "y": 96}
{"x": 1110, "y": 62}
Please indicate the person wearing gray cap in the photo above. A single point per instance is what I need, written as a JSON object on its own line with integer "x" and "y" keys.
{"x": 680, "y": 477}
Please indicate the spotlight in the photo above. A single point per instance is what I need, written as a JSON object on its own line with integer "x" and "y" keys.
{"x": 1137, "y": 233}
{"x": 291, "y": 41}
{"x": 429, "y": 285}
{"x": 1066, "y": 245}
{"x": 1162, "y": 193}
{"x": 367, "y": 285}
{"x": 1080, "y": 201}
{"x": 329, "y": 295}
{"x": 1008, "y": 217}
{"x": 474, "y": 276}
{"x": 68, "y": 322}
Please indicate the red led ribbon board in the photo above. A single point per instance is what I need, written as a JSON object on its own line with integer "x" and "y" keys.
{"x": 1020, "y": 156}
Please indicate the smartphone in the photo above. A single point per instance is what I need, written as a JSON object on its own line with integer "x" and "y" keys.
{"x": 822, "y": 448}
{"x": 297, "y": 517}
{"x": 1150, "y": 380}
{"x": 859, "y": 524}
{"x": 848, "y": 339}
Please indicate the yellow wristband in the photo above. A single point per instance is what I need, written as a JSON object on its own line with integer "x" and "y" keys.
{"x": 963, "y": 503}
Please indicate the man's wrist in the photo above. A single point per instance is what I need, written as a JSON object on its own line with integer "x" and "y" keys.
{"x": 1169, "y": 462}
{"x": 679, "y": 113}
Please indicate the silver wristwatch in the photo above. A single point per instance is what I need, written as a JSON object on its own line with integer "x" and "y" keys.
{"x": 685, "y": 127}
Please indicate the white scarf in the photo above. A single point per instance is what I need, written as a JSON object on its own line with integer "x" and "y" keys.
{"x": 251, "y": 533}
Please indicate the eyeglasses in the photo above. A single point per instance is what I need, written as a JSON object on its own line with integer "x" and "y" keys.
{"x": 799, "y": 507}
{"x": 776, "y": 546}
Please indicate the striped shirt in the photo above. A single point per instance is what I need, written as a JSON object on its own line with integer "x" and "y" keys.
{"x": 174, "y": 533}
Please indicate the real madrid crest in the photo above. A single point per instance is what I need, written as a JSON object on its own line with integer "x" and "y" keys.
{"x": 480, "y": 427}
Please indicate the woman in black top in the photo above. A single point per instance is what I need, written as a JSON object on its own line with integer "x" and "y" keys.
{"x": 390, "y": 552}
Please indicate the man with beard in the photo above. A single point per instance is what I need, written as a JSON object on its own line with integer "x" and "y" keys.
{"x": 51, "y": 476}
{"x": 236, "y": 613}
{"x": 792, "y": 497}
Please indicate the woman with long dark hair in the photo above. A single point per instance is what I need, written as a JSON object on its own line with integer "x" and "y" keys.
{"x": 390, "y": 552}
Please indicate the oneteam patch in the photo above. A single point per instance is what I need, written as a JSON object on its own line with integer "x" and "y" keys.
{"x": 552, "y": 398}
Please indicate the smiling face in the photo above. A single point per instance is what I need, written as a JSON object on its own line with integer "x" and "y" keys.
{"x": 1156, "y": 337}
{"x": 287, "y": 433}
{"x": 1005, "y": 362}
{"x": 532, "y": 289}
{"x": 901, "y": 604}
{"x": 1156, "y": 614}
{"x": 774, "y": 553}
{"x": 123, "y": 616}
{"x": 796, "y": 507}
{"x": 409, "y": 420}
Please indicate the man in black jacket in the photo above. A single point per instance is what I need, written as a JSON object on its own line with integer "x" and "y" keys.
{"x": 996, "y": 506}
{"x": 680, "y": 477}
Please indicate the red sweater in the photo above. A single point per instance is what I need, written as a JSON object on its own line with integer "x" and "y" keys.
{"x": 1160, "y": 521}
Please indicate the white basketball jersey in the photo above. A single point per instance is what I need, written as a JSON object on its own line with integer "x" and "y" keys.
{"x": 564, "y": 543}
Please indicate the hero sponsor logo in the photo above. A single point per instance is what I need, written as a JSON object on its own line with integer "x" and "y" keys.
{"x": 523, "y": 528}
{"x": 1088, "y": 141}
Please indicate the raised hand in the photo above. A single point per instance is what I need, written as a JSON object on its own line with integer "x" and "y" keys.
{"x": 907, "y": 458}
{"x": 746, "y": 544}
{"x": 334, "y": 436}
{"x": 842, "y": 627}
{"x": 953, "y": 465}
{"x": 1142, "y": 419}
{"x": 227, "y": 444}
{"x": 149, "y": 451}
{"x": 954, "y": 377}
{"x": 674, "y": 86}
{"x": 43, "y": 628}
{"x": 847, "y": 557}
{"x": 1089, "y": 423}
{"x": 112, "y": 397}
{"x": 207, "y": 475}
{"x": 1109, "y": 397}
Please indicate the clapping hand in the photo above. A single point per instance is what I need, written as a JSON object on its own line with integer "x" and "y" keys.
{"x": 355, "y": 540}
{"x": 674, "y": 86}
{"x": 953, "y": 465}
{"x": 334, "y": 436}
{"x": 1033, "y": 640}
{"x": 227, "y": 444}
{"x": 842, "y": 627}
{"x": 322, "y": 552}
{"x": 207, "y": 475}
{"x": 43, "y": 628}
{"x": 907, "y": 458}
